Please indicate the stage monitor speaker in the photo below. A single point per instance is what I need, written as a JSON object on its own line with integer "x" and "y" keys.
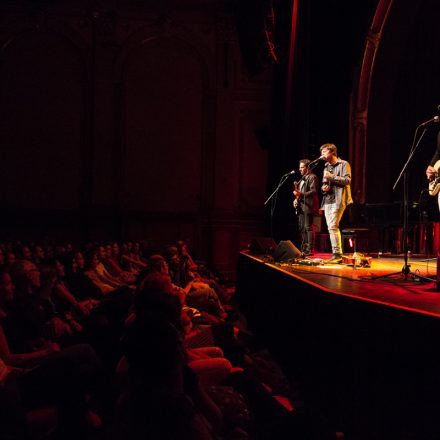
{"x": 262, "y": 245}
{"x": 285, "y": 251}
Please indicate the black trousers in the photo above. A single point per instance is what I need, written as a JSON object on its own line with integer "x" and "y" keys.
{"x": 306, "y": 230}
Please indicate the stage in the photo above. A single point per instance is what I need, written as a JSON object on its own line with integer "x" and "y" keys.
{"x": 363, "y": 351}
{"x": 415, "y": 293}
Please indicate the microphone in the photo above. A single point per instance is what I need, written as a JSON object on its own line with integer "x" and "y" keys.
{"x": 433, "y": 120}
{"x": 290, "y": 172}
{"x": 316, "y": 160}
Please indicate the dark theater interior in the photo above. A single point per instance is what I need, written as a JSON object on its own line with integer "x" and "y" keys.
{"x": 219, "y": 219}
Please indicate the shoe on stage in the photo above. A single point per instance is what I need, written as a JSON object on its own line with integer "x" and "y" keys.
{"x": 336, "y": 259}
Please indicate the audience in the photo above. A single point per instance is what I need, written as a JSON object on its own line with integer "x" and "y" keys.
{"x": 69, "y": 315}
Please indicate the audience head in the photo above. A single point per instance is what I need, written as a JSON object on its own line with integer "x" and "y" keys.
{"x": 78, "y": 261}
{"x": 38, "y": 253}
{"x": 156, "y": 281}
{"x": 101, "y": 253}
{"x": 108, "y": 250}
{"x": 25, "y": 276}
{"x": 152, "y": 346}
{"x": 7, "y": 288}
{"x": 26, "y": 253}
{"x": 158, "y": 263}
{"x": 66, "y": 260}
{"x": 59, "y": 267}
{"x": 91, "y": 260}
{"x": 182, "y": 248}
{"x": 48, "y": 277}
{"x": 10, "y": 258}
{"x": 115, "y": 250}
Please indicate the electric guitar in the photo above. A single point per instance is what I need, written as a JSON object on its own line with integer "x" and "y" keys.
{"x": 434, "y": 185}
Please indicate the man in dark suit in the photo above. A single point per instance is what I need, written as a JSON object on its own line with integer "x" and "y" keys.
{"x": 306, "y": 203}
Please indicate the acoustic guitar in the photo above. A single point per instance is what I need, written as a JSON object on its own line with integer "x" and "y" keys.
{"x": 434, "y": 185}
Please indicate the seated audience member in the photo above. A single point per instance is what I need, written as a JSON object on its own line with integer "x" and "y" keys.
{"x": 163, "y": 398}
{"x": 156, "y": 295}
{"x": 33, "y": 321}
{"x": 38, "y": 254}
{"x": 25, "y": 253}
{"x": 22, "y": 356}
{"x": 46, "y": 354}
{"x": 114, "y": 259}
{"x": 99, "y": 275}
{"x": 189, "y": 270}
{"x": 102, "y": 318}
{"x": 79, "y": 283}
{"x": 196, "y": 294}
{"x": 58, "y": 383}
{"x": 62, "y": 291}
{"x": 27, "y": 329}
{"x": 86, "y": 284}
{"x": 131, "y": 260}
{"x": 109, "y": 267}
{"x": 187, "y": 262}
{"x": 60, "y": 323}
{"x": 10, "y": 259}
{"x": 121, "y": 295}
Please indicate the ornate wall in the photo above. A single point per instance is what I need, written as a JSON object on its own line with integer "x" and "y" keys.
{"x": 132, "y": 122}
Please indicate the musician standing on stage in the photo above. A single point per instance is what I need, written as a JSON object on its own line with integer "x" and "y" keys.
{"x": 306, "y": 203}
{"x": 431, "y": 172}
{"x": 336, "y": 195}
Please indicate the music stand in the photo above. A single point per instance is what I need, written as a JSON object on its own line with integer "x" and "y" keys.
{"x": 406, "y": 269}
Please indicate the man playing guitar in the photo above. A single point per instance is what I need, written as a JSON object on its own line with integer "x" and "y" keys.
{"x": 306, "y": 203}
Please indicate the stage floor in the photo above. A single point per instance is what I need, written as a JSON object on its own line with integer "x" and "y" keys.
{"x": 414, "y": 293}
{"x": 362, "y": 350}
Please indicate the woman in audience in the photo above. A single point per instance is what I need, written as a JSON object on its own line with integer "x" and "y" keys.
{"x": 98, "y": 275}
{"x": 25, "y": 253}
{"x": 79, "y": 283}
{"x": 7, "y": 291}
{"x": 102, "y": 318}
{"x": 62, "y": 325}
{"x": 157, "y": 403}
{"x": 195, "y": 294}
{"x": 38, "y": 254}
{"x": 156, "y": 295}
{"x": 131, "y": 261}
{"x": 189, "y": 270}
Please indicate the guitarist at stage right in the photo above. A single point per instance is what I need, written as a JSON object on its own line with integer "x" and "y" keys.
{"x": 433, "y": 173}
{"x": 337, "y": 195}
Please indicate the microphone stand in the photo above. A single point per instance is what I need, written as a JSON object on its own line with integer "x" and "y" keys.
{"x": 406, "y": 269}
{"x": 273, "y": 197}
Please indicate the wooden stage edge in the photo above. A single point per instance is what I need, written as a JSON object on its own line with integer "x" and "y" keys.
{"x": 363, "y": 351}
{"x": 414, "y": 294}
